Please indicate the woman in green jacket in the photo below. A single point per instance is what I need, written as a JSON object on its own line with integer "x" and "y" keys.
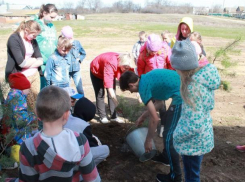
{"x": 47, "y": 39}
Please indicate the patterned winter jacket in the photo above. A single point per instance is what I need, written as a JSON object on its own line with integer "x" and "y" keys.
{"x": 16, "y": 107}
{"x": 194, "y": 132}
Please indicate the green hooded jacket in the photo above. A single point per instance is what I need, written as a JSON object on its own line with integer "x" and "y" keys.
{"x": 47, "y": 40}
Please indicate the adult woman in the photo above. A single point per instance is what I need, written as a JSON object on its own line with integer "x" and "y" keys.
{"x": 104, "y": 69}
{"x": 47, "y": 39}
{"x": 24, "y": 56}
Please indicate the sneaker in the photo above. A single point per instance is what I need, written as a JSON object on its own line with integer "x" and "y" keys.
{"x": 104, "y": 120}
{"x": 15, "y": 165}
{"x": 160, "y": 158}
{"x": 167, "y": 178}
{"x": 117, "y": 119}
{"x": 161, "y": 131}
{"x": 240, "y": 148}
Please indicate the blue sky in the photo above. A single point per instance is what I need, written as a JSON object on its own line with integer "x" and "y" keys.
{"x": 207, "y": 3}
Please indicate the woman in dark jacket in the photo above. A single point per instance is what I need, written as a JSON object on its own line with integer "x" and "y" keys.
{"x": 24, "y": 56}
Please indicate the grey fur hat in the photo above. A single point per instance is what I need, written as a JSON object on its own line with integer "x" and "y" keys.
{"x": 184, "y": 56}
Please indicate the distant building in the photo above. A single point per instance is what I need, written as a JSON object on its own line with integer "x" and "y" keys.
{"x": 200, "y": 10}
{"x": 240, "y": 9}
{"x": 230, "y": 11}
{"x": 14, "y": 16}
{"x": 240, "y": 12}
{"x": 12, "y": 13}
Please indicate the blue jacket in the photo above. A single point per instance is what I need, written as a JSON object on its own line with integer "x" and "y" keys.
{"x": 77, "y": 55}
{"x": 57, "y": 69}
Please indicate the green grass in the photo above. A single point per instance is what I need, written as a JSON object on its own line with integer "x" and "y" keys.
{"x": 118, "y": 25}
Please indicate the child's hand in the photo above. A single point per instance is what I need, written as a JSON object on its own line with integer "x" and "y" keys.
{"x": 148, "y": 145}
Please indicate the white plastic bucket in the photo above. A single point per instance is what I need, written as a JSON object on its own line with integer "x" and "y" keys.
{"x": 136, "y": 141}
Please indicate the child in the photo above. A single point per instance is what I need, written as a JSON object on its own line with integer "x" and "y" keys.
{"x": 74, "y": 96}
{"x": 56, "y": 153}
{"x": 16, "y": 114}
{"x": 16, "y": 105}
{"x": 193, "y": 136}
{"x": 202, "y": 60}
{"x": 58, "y": 64}
{"x": 84, "y": 111}
{"x": 77, "y": 56}
{"x": 196, "y": 36}
{"x": 138, "y": 45}
{"x": 184, "y": 29}
{"x": 166, "y": 37}
{"x": 158, "y": 85}
{"x": 153, "y": 55}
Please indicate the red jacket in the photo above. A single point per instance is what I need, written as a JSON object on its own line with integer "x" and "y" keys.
{"x": 147, "y": 62}
{"x": 106, "y": 67}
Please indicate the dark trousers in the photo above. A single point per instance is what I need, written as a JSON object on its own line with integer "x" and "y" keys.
{"x": 192, "y": 165}
{"x": 99, "y": 91}
{"x": 172, "y": 116}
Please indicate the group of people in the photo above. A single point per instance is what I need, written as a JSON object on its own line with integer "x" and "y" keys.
{"x": 60, "y": 144}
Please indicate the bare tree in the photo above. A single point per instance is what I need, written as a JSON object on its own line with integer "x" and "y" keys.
{"x": 94, "y": 5}
{"x": 68, "y": 7}
{"x": 217, "y": 8}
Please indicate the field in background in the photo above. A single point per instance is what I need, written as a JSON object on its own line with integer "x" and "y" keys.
{"x": 100, "y": 33}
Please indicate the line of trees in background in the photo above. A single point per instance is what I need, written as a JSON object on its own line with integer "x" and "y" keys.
{"x": 153, "y": 6}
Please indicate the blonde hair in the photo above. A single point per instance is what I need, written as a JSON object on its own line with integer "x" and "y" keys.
{"x": 126, "y": 60}
{"x": 186, "y": 80}
{"x": 64, "y": 42}
{"x": 196, "y": 36}
{"x": 30, "y": 25}
{"x": 48, "y": 8}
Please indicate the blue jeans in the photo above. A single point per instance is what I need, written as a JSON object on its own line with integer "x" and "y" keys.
{"x": 76, "y": 75}
{"x": 192, "y": 165}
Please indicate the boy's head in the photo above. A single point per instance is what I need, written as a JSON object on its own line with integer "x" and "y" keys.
{"x": 166, "y": 36}
{"x": 52, "y": 103}
{"x": 73, "y": 95}
{"x": 67, "y": 32}
{"x": 64, "y": 45}
{"x": 20, "y": 82}
{"x": 129, "y": 81}
{"x": 142, "y": 36}
{"x": 84, "y": 109}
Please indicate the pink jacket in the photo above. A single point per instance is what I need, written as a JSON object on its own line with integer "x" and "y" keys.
{"x": 106, "y": 67}
{"x": 147, "y": 62}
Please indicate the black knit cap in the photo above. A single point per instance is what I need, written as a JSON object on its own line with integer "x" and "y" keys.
{"x": 84, "y": 109}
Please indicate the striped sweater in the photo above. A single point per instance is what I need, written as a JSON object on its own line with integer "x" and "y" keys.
{"x": 39, "y": 162}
